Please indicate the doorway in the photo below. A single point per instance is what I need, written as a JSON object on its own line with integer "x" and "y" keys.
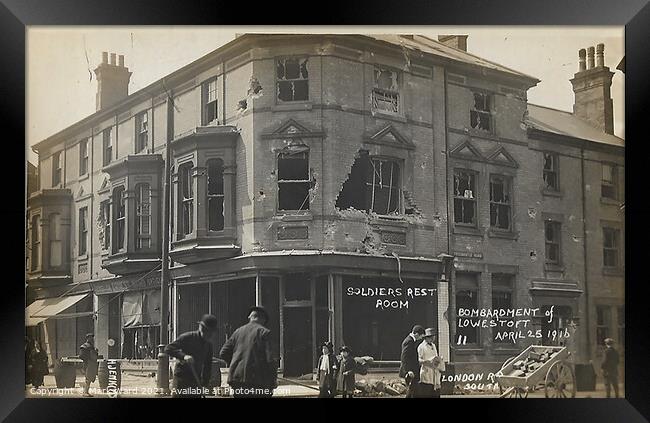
{"x": 297, "y": 341}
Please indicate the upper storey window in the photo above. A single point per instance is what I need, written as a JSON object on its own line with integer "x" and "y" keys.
{"x": 209, "y": 102}
{"x": 292, "y": 79}
{"x": 609, "y": 182}
{"x": 480, "y": 113}
{"x": 186, "y": 216}
{"x": 551, "y": 179}
{"x": 119, "y": 216}
{"x": 141, "y": 132}
{"x": 500, "y": 202}
{"x": 36, "y": 242}
{"x": 56, "y": 168}
{"x": 385, "y": 93}
{"x": 107, "y": 146}
{"x": 464, "y": 197}
{"x": 293, "y": 180}
{"x": 83, "y": 157}
{"x": 215, "y": 195}
{"x": 383, "y": 193}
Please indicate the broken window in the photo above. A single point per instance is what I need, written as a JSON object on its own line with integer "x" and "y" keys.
{"x": 385, "y": 94}
{"x": 142, "y": 132}
{"x": 119, "y": 213}
{"x": 464, "y": 197}
{"x": 610, "y": 247}
{"x": 105, "y": 217}
{"x": 83, "y": 157}
{"x": 552, "y": 237}
{"x": 209, "y": 102}
{"x": 383, "y": 186}
{"x": 56, "y": 168}
{"x": 293, "y": 180}
{"x": 373, "y": 185}
{"x": 143, "y": 216}
{"x": 292, "y": 79}
{"x": 36, "y": 242}
{"x": 83, "y": 230}
{"x": 608, "y": 185}
{"x": 186, "y": 191}
{"x": 107, "y": 146}
{"x": 551, "y": 180}
{"x": 480, "y": 117}
{"x": 500, "y": 202}
{"x": 215, "y": 195}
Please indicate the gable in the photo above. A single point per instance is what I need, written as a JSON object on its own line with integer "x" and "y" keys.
{"x": 390, "y": 136}
{"x": 501, "y": 157}
{"x": 292, "y": 129}
{"x": 466, "y": 151}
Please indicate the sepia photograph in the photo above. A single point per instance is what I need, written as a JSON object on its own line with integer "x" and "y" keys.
{"x": 332, "y": 212}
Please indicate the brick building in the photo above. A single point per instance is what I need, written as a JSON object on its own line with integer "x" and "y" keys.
{"x": 353, "y": 185}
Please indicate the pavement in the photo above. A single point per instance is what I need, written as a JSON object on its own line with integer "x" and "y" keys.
{"x": 135, "y": 385}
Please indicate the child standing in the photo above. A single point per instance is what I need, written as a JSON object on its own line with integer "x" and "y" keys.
{"x": 346, "y": 369}
{"x": 326, "y": 375}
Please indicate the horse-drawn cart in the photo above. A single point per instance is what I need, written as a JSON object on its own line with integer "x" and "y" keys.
{"x": 538, "y": 367}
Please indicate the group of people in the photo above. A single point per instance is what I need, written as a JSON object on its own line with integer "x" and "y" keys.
{"x": 336, "y": 375}
{"x": 253, "y": 366}
{"x": 420, "y": 365}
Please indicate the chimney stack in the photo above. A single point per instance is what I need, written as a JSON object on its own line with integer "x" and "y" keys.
{"x": 112, "y": 81}
{"x": 456, "y": 41}
{"x": 591, "y": 87}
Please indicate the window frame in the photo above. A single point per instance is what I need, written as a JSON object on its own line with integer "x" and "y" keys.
{"x": 55, "y": 236}
{"x": 118, "y": 216}
{"x": 82, "y": 245}
{"x": 554, "y": 171}
{"x": 56, "y": 168}
{"x": 106, "y": 216}
{"x": 206, "y": 105}
{"x": 616, "y": 249}
{"x": 141, "y": 132}
{"x": 474, "y": 175}
{"x": 556, "y": 228}
{"x": 278, "y": 81}
{"x": 508, "y": 180}
{"x": 489, "y": 110}
{"x": 280, "y": 182}
{"x": 186, "y": 204}
{"x": 83, "y": 157}
{"x": 386, "y": 93}
{"x": 503, "y": 289}
{"x": 215, "y": 196}
{"x": 35, "y": 240}
{"x": 107, "y": 146}
{"x": 606, "y": 326}
{"x": 474, "y": 286}
{"x": 371, "y": 186}
{"x": 613, "y": 184}
{"x": 142, "y": 192}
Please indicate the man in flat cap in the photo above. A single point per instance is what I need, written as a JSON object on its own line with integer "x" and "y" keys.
{"x": 253, "y": 367}
{"x": 610, "y": 367}
{"x": 410, "y": 366}
{"x": 193, "y": 352}
{"x": 89, "y": 354}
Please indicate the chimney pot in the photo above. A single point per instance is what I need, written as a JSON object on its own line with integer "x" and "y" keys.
{"x": 113, "y": 58}
{"x": 582, "y": 59}
{"x": 590, "y": 58}
{"x": 104, "y": 57}
{"x": 120, "y": 59}
{"x": 600, "y": 55}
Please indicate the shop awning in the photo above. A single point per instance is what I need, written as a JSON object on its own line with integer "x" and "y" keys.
{"x": 41, "y": 310}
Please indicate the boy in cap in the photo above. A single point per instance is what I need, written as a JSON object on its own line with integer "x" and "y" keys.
{"x": 253, "y": 367}
{"x": 610, "y": 367}
{"x": 88, "y": 354}
{"x": 345, "y": 378}
{"x": 326, "y": 371}
{"x": 193, "y": 352}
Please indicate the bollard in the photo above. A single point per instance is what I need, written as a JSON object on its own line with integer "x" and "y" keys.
{"x": 162, "y": 376}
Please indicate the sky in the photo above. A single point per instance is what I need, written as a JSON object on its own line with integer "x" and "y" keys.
{"x": 61, "y": 86}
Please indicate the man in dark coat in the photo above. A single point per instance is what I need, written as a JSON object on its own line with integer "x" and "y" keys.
{"x": 88, "y": 354}
{"x": 253, "y": 367}
{"x": 193, "y": 352}
{"x": 410, "y": 365}
{"x": 610, "y": 367}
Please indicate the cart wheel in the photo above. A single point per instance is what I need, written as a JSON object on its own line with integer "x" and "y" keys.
{"x": 560, "y": 381}
{"x": 505, "y": 363}
{"x": 516, "y": 392}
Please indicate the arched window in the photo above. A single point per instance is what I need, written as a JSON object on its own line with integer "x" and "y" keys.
{"x": 119, "y": 216}
{"x": 143, "y": 216}
{"x": 36, "y": 242}
{"x": 186, "y": 197}
{"x": 215, "y": 195}
{"x": 56, "y": 250}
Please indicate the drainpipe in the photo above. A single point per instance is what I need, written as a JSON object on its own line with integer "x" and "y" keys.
{"x": 584, "y": 249}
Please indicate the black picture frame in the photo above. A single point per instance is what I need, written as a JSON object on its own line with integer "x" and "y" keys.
{"x": 15, "y": 15}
